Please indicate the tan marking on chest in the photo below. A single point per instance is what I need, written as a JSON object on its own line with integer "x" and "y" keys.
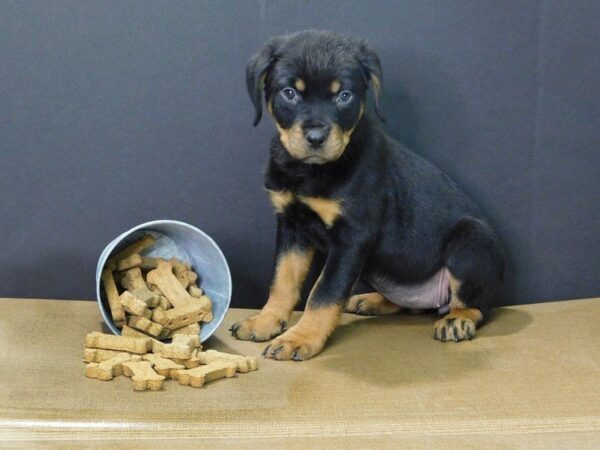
{"x": 327, "y": 209}
{"x": 280, "y": 199}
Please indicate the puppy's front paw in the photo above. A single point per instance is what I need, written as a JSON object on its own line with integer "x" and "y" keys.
{"x": 258, "y": 328}
{"x": 454, "y": 328}
{"x": 294, "y": 344}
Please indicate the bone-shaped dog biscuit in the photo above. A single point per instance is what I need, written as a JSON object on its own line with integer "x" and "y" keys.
{"x": 142, "y": 324}
{"x": 193, "y": 329}
{"x": 133, "y": 305}
{"x": 243, "y": 363}
{"x": 195, "y": 291}
{"x": 136, "y": 247}
{"x": 181, "y": 316}
{"x": 181, "y": 347}
{"x": 185, "y": 276}
{"x": 137, "y": 260}
{"x": 163, "y": 366}
{"x": 168, "y": 284}
{"x": 107, "y": 370}
{"x": 131, "y": 332}
{"x": 204, "y": 374}
{"x": 194, "y": 360}
{"x": 187, "y": 309}
{"x": 121, "y": 343}
{"x": 97, "y": 355}
{"x": 112, "y": 294}
{"x": 134, "y": 282}
{"x": 143, "y": 376}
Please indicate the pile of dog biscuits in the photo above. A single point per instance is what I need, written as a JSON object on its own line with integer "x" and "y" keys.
{"x": 158, "y": 297}
{"x": 148, "y": 362}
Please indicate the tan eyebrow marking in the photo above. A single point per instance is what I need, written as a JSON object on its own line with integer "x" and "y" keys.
{"x": 300, "y": 85}
{"x": 335, "y": 86}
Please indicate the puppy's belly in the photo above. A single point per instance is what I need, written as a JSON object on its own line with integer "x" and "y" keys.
{"x": 431, "y": 294}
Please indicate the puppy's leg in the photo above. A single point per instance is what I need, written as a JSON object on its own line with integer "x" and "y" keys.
{"x": 324, "y": 306}
{"x": 293, "y": 259}
{"x": 476, "y": 264}
{"x": 371, "y": 304}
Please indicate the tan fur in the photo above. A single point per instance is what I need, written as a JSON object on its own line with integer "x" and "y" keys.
{"x": 472, "y": 314}
{"x": 308, "y": 336}
{"x": 327, "y": 209}
{"x": 300, "y": 85}
{"x": 335, "y": 86}
{"x": 280, "y": 199}
{"x": 290, "y": 272}
{"x": 371, "y": 304}
{"x": 294, "y": 142}
{"x": 319, "y": 323}
{"x": 455, "y": 301}
{"x": 461, "y": 322}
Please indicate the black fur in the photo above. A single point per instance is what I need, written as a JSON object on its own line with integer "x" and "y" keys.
{"x": 402, "y": 217}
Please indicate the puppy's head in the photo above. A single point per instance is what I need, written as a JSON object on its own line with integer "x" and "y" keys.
{"x": 315, "y": 85}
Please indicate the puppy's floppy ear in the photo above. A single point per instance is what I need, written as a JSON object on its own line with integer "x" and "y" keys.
{"x": 373, "y": 73}
{"x": 256, "y": 73}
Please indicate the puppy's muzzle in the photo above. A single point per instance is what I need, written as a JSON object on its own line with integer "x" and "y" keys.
{"x": 316, "y": 135}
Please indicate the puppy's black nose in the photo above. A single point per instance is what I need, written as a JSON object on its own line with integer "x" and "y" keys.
{"x": 316, "y": 136}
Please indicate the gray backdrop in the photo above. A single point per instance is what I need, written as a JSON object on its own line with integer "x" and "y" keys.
{"x": 114, "y": 113}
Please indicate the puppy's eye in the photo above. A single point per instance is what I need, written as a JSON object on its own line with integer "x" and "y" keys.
{"x": 344, "y": 97}
{"x": 289, "y": 94}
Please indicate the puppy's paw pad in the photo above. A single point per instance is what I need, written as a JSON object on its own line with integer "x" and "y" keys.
{"x": 454, "y": 329}
{"x": 258, "y": 328}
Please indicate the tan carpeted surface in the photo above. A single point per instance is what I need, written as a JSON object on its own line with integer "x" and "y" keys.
{"x": 530, "y": 379}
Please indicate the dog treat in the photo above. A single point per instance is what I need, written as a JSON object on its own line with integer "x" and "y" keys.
{"x": 112, "y": 294}
{"x": 175, "y": 262}
{"x": 181, "y": 316}
{"x": 195, "y": 291}
{"x": 184, "y": 274}
{"x": 131, "y": 332}
{"x": 243, "y": 363}
{"x": 136, "y": 247}
{"x": 107, "y": 370}
{"x": 193, "y": 329}
{"x": 97, "y": 355}
{"x": 148, "y": 371}
{"x": 194, "y": 360}
{"x": 137, "y": 260}
{"x": 134, "y": 305}
{"x": 169, "y": 285}
{"x": 143, "y": 324}
{"x": 181, "y": 347}
{"x": 204, "y": 374}
{"x": 164, "y": 304}
{"x": 163, "y": 366}
{"x": 122, "y": 343}
{"x": 143, "y": 376}
{"x": 134, "y": 282}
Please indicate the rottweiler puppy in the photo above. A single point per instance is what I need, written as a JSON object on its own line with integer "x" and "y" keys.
{"x": 342, "y": 187}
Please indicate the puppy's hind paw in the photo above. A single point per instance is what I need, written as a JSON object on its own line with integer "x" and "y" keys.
{"x": 454, "y": 329}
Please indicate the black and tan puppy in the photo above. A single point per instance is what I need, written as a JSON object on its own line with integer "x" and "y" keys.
{"x": 378, "y": 212}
